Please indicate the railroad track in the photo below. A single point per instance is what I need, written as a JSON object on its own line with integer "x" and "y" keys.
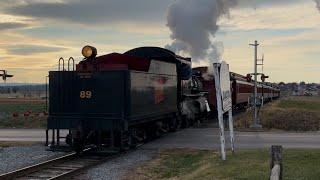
{"x": 62, "y": 167}
{"x": 59, "y": 168}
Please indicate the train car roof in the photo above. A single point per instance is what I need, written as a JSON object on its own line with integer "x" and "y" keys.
{"x": 158, "y": 54}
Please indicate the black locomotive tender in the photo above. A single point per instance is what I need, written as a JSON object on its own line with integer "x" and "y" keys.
{"x": 118, "y": 100}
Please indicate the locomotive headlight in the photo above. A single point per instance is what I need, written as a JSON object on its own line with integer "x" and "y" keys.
{"x": 89, "y": 52}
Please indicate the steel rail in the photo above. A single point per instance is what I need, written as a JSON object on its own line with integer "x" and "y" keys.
{"x": 63, "y": 167}
{"x": 49, "y": 164}
{"x": 36, "y": 167}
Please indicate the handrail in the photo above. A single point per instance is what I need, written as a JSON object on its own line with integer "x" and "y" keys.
{"x": 61, "y": 59}
{"x": 71, "y": 58}
{"x": 47, "y": 77}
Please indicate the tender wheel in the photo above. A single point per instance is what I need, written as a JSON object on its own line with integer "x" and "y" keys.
{"x": 119, "y": 140}
{"x": 175, "y": 124}
{"x": 77, "y": 145}
{"x": 132, "y": 140}
{"x": 69, "y": 139}
{"x": 185, "y": 122}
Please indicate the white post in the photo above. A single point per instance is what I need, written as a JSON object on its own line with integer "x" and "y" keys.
{"x": 231, "y": 130}
{"x": 216, "y": 67}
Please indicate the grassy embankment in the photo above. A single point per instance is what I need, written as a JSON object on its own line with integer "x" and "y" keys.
{"x": 292, "y": 113}
{"x": 246, "y": 164}
{"x": 8, "y": 107}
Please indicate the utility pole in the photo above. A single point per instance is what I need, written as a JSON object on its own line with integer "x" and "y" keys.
{"x": 256, "y": 123}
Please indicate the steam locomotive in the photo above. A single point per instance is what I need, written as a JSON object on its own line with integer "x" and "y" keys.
{"x": 119, "y": 100}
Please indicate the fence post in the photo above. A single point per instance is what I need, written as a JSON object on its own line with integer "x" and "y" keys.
{"x": 276, "y": 167}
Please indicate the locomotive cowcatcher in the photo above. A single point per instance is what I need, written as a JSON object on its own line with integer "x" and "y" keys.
{"x": 118, "y": 100}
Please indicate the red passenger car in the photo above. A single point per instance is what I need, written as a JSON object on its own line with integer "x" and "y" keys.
{"x": 242, "y": 88}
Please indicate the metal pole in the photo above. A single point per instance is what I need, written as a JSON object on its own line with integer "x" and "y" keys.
{"x": 47, "y": 137}
{"x": 231, "y": 130}
{"x": 255, "y": 117}
{"x": 58, "y": 137}
{"x": 53, "y": 137}
{"x": 255, "y": 81}
{"x": 46, "y": 94}
{"x": 216, "y": 67}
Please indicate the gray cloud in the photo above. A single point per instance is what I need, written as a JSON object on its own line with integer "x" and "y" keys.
{"x": 28, "y": 49}
{"x": 318, "y": 4}
{"x": 107, "y": 11}
{"x": 12, "y": 25}
{"x": 262, "y": 3}
{"x": 94, "y": 11}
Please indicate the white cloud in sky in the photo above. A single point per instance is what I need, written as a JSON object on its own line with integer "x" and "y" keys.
{"x": 291, "y": 16}
{"x": 94, "y": 11}
{"x": 288, "y": 30}
{"x": 289, "y": 37}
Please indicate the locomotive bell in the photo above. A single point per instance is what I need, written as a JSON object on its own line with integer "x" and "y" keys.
{"x": 89, "y": 52}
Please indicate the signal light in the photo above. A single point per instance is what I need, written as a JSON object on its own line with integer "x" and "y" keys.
{"x": 4, "y": 75}
{"x": 89, "y": 52}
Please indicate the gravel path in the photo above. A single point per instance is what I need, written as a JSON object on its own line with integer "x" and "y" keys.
{"x": 115, "y": 169}
{"x": 12, "y": 158}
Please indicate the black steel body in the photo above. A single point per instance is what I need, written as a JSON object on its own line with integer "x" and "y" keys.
{"x": 118, "y": 99}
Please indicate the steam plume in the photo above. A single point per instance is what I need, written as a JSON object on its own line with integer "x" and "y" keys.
{"x": 193, "y": 23}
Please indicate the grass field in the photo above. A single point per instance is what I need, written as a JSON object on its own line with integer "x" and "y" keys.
{"x": 8, "y": 107}
{"x": 17, "y": 105}
{"x": 9, "y": 144}
{"x": 306, "y": 103}
{"x": 292, "y": 113}
{"x": 246, "y": 164}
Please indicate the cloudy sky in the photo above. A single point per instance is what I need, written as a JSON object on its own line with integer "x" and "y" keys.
{"x": 35, "y": 33}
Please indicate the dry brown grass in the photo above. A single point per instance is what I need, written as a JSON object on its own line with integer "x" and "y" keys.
{"x": 22, "y": 113}
{"x": 191, "y": 164}
{"x": 171, "y": 164}
{"x": 143, "y": 172}
{"x": 293, "y": 114}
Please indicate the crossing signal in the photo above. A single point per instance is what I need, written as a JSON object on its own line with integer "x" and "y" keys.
{"x": 5, "y": 75}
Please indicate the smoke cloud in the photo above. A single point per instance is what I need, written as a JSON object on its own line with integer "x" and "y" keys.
{"x": 193, "y": 25}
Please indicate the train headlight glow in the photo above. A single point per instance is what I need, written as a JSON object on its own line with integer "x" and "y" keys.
{"x": 89, "y": 52}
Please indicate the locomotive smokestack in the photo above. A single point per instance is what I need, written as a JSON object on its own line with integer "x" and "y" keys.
{"x": 193, "y": 23}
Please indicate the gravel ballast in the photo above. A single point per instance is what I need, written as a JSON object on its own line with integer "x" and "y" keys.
{"x": 13, "y": 158}
{"x": 116, "y": 168}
